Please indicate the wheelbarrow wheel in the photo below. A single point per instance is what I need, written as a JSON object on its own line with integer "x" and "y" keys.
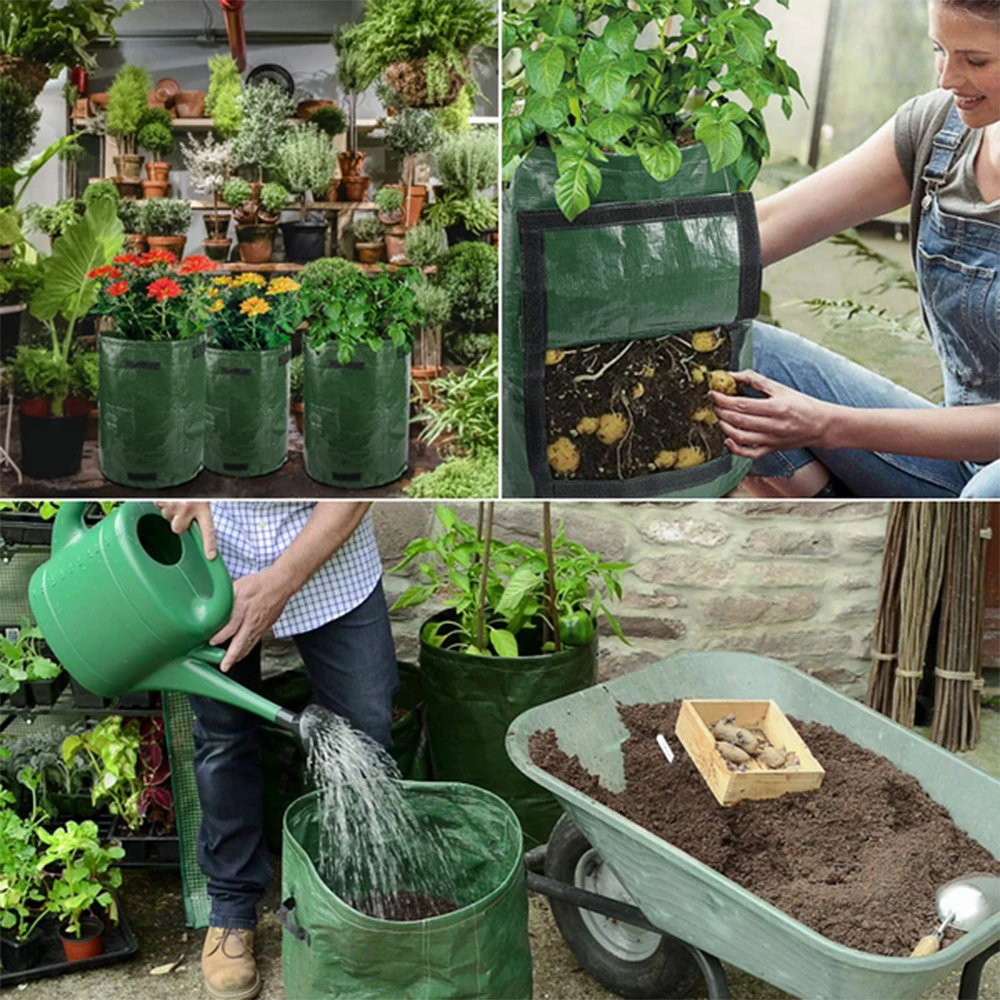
{"x": 627, "y": 960}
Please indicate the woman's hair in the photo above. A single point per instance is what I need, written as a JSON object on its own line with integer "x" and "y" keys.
{"x": 985, "y": 9}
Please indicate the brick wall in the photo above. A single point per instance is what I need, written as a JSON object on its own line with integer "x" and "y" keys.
{"x": 798, "y": 582}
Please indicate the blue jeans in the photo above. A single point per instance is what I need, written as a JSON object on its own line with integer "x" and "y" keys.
{"x": 351, "y": 663}
{"x": 799, "y": 363}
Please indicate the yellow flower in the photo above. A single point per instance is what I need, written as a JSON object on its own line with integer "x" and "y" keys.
{"x": 250, "y": 278}
{"x": 254, "y": 306}
{"x": 279, "y": 286}
{"x": 216, "y": 306}
{"x": 224, "y": 279}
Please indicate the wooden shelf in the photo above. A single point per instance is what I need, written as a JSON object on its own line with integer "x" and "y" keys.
{"x": 199, "y": 124}
{"x": 286, "y": 267}
{"x": 292, "y": 206}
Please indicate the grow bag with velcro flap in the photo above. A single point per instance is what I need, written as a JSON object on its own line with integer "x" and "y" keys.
{"x": 646, "y": 262}
{"x": 357, "y": 415}
{"x": 152, "y": 410}
{"x": 470, "y": 701}
{"x": 246, "y": 411}
{"x": 481, "y": 949}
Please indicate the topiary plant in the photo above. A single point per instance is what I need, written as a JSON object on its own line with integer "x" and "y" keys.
{"x": 100, "y": 189}
{"x": 164, "y": 217}
{"x": 424, "y": 245}
{"x": 236, "y": 191}
{"x": 330, "y": 120}
{"x": 266, "y": 109}
{"x": 368, "y": 230}
{"x": 305, "y": 162}
{"x": 157, "y": 139}
{"x": 388, "y": 200}
{"x": 222, "y": 102}
{"x": 273, "y": 197}
{"x": 18, "y": 121}
{"x": 130, "y": 214}
{"x": 468, "y": 273}
{"x": 127, "y": 102}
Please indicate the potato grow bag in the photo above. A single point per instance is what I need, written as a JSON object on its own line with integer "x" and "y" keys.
{"x": 357, "y": 416}
{"x": 246, "y": 411}
{"x": 643, "y": 267}
{"x": 481, "y": 949}
{"x": 152, "y": 410}
{"x": 470, "y": 701}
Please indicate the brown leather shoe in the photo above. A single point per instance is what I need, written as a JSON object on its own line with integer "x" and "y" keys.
{"x": 228, "y": 965}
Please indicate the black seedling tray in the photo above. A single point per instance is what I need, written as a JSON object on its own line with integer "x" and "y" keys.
{"x": 82, "y": 698}
{"x": 146, "y": 852}
{"x": 119, "y": 943}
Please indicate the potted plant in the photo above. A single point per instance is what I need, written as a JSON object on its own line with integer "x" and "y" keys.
{"x": 152, "y": 367}
{"x": 156, "y": 136}
{"x": 266, "y": 109}
{"x": 517, "y": 617}
{"x": 127, "y": 105}
{"x": 369, "y": 240}
{"x": 331, "y": 121}
{"x": 353, "y": 182}
{"x": 466, "y": 165}
{"x": 250, "y": 322}
{"x": 130, "y": 214}
{"x": 27, "y": 676}
{"x": 304, "y": 162}
{"x": 53, "y": 420}
{"x": 223, "y": 99}
{"x": 165, "y": 222}
{"x": 38, "y": 40}
{"x": 53, "y": 219}
{"x": 296, "y": 375}
{"x": 19, "y": 116}
{"x": 256, "y": 210}
{"x": 389, "y": 204}
{"x": 88, "y": 373}
{"x": 435, "y": 305}
{"x": 424, "y": 246}
{"x": 18, "y": 280}
{"x": 80, "y": 896}
{"x": 209, "y": 164}
{"x": 423, "y": 46}
{"x": 411, "y": 132}
{"x": 360, "y": 331}
{"x": 468, "y": 273}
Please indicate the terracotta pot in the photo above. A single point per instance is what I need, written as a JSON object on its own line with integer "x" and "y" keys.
{"x": 413, "y": 204}
{"x": 370, "y": 253}
{"x": 129, "y": 166}
{"x": 81, "y": 109}
{"x": 354, "y": 189}
{"x": 128, "y": 189}
{"x": 422, "y": 376}
{"x": 157, "y": 170}
{"x": 93, "y": 425}
{"x": 155, "y": 189}
{"x": 495, "y": 237}
{"x": 99, "y": 101}
{"x": 88, "y": 944}
{"x": 40, "y": 406}
{"x": 190, "y": 103}
{"x": 333, "y": 191}
{"x": 216, "y": 226}
{"x": 30, "y": 74}
{"x": 217, "y": 249}
{"x": 136, "y": 243}
{"x": 351, "y": 164}
{"x": 255, "y": 243}
{"x": 394, "y": 243}
{"x": 172, "y": 244}
{"x": 306, "y": 109}
{"x": 298, "y": 415}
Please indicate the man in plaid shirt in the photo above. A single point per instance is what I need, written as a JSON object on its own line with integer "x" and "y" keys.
{"x": 307, "y": 570}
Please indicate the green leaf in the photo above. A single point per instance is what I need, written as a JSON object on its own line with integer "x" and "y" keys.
{"x": 620, "y": 34}
{"x": 523, "y": 581}
{"x": 749, "y": 41}
{"x": 607, "y": 83}
{"x": 547, "y": 113}
{"x": 575, "y": 187}
{"x": 503, "y": 642}
{"x": 544, "y": 69}
{"x": 661, "y": 161}
{"x": 615, "y": 627}
{"x": 561, "y": 21}
{"x": 609, "y": 128}
{"x": 722, "y": 139}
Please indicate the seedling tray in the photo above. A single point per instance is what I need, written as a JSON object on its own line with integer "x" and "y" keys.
{"x": 119, "y": 943}
{"x": 82, "y": 698}
{"x": 146, "y": 851}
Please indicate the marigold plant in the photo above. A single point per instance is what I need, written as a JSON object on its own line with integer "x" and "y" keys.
{"x": 250, "y": 313}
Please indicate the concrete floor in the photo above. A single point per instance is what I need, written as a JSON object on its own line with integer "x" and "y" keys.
{"x": 155, "y": 909}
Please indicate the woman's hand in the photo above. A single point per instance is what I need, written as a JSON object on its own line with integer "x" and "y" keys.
{"x": 180, "y": 515}
{"x": 783, "y": 420}
{"x": 258, "y": 600}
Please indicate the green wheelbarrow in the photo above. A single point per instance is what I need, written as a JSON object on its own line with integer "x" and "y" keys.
{"x": 644, "y": 917}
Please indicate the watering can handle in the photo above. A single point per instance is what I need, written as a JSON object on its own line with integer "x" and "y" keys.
{"x": 69, "y": 526}
{"x": 220, "y": 603}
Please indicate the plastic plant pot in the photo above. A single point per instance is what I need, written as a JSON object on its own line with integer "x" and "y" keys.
{"x": 83, "y": 698}
{"x": 217, "y": 226}
{"x": 52, "y": 447}
{"x": 46, "y": 693}
{"x": 304, "y": 241}
{"x": 19, "y": 956}
{"x": 217, "y": 249}
{"x": 88, "y": 944}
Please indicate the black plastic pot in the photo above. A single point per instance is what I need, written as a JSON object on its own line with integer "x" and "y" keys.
{"x": 19, "y": 956}
{"x": 45, "y": 693}
{"x": 137, "y": 699}
{"x": 304, "y": 241}
{"x": 82, "y": 698}
{"x": 460, "y": 233}
{"x": 145, "y": 851}
{"x": 51, "y": 447}
{"x": 10, "y": 329}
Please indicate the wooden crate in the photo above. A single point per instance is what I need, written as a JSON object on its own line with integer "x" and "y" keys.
{"x": 758, "y": 781}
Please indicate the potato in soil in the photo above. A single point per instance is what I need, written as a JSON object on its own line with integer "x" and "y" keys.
{"x": 635, "y": 407}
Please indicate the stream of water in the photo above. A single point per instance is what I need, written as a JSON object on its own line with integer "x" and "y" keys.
{"x": 372, "y": 844}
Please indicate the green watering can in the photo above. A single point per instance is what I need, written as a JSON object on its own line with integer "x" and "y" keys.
{"x": 127, "y": 605}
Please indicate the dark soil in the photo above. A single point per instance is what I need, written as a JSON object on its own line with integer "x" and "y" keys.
{"x": 650, "y": 386}
{"x": 859, "y": 860}
{"x": 410, "y": 906}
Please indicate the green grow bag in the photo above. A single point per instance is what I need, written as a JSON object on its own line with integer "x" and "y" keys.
{"x": 152, "y": 410}
{"x": 647, "y": 259}
{"x": 246, "y": 411}
{"x": 469, "y": 701}
{"x": 479, "y": 950}
{"x": 357, "y": 416}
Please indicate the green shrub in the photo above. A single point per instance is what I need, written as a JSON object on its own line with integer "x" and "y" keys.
{"x": 330, "y": 120}
{"x": 469, "y": 478}
{"x": 273, "y": 197}
{"x": 434, "y": 303}
{"x": 478, "y": 214}
{"x": 19, "y": 117}
{"x": 236, "y": 192}
{"x": 53, "y": 219}
{"x": 454, "y": 118}
{"x": 389, "y": 200}
{"x": 156, "y": 116}
{"x": 327, "y": 273}
{"x": 164, "y": 217}
{"x": 130, "y": 213}
{"x": 411, "y": 131}
{"x": 18, "y": 280}
{"x": 468, "y": 273}
{"x": 468, "y": 348}
{"x": 266, "y": 109}
{"x": 86, "y": 366}
{"x": 100, "y": 189}
{"x": 222, "y": 102}
{"x": 368, "y": 230}
{"x": 424, "y": 245}
{"x": 467, "y": 163}
{"x": 305, "y": 161}
{"x": 127, "y": 101}
{"x": 157, "y": 139}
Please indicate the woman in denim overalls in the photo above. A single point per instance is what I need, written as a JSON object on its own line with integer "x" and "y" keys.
{"x": 817, "y": 424}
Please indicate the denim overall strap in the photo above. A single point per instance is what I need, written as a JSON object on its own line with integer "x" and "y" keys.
{"x": 943, "y": 154}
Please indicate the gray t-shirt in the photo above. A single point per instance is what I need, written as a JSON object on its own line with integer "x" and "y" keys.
{"x": 917, "y": 122}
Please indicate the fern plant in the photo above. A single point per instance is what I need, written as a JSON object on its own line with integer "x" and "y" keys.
{"x": 127, "y": 101}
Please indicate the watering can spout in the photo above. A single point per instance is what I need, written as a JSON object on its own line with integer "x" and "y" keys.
{"x": 69, "y": 526}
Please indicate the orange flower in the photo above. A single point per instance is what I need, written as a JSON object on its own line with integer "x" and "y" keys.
{"x": 281, "y": 285}
{"x": 127, "y": 258}
{"x": 118, "y": 288}
{"x": 164, "y": 288}
{"x": 157, "y": 257}
{"x": 216, "y": 306}
{"x": 195, "y": 264}
{"x": 107, "y": 271}
{"x": 254, "y": 306}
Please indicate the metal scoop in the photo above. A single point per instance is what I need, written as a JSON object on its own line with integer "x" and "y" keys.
{"x": 963, "y": 904}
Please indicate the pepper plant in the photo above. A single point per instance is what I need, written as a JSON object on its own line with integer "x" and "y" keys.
{"x": 599, "y": 77}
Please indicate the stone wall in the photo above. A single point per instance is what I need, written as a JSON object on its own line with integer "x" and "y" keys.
{"x": 796, "y": 581}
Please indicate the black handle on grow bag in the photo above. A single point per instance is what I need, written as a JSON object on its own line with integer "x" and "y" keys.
{"x": 285, "y": 917}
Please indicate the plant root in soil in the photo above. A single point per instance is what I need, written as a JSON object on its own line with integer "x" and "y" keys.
{"x": 631, "y": 408}
{"x": 859, "y": 859}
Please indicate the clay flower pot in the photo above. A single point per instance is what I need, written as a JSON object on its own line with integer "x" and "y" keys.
{"x": 129, "y": 166}
{"x": 351, "y": 164}
{"x": 90, "y": 942}
{"x": 298, "y": 415}
{"x": 155, "y": 189}
{"x": 395, "y": 240}
{"x": 216, "y": 226}
{"x": 136, "y": 243}
{"x": 99, "y": 101}
{"x": 370, "y": 253}
{"x": 306, "y": 109}
{"x": 81, "y": 109}
{"x": 217, "y": 249}
{"x": 190, "y": 103}
{"x": 158, "y": 170}
{"x": 255, "y": 243}
{"x": 333, "y": 191}
{"x": 172, "y": 244}
{"x": 413, "y": 203}
{"x": 422, "y": 376}
{"x": 128, "y": 189}
{"x": 354, "y": 188}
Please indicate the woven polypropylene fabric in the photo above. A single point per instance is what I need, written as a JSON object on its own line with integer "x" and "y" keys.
{"x": 179, "y": 722}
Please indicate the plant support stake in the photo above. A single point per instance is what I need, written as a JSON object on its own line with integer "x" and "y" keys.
{"x": 550, "y": 574}
{"x": 482, "y": 579}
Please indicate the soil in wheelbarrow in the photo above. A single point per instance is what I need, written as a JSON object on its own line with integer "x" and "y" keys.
{"x": 409, "y": 906}
{"x": 858, "y": 860}
{"x": 635, "y": 407}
